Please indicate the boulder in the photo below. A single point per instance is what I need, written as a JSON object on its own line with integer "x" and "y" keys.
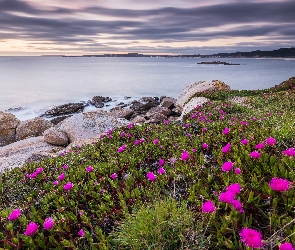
{"x": 119, "y": 112}
{"x": 16, "y": 154}
{"x": 168, "y": 102}
{"x": 194, "y": 102}
{"x": 32, "y": 128}
{"x": 161, "y": 110}
{"x": 136, "y": 106}
{"x": 147, "y": 106}
{"x": 64, "y": 109}
{"x": 196, "y": 87}
{"x": 150, "y": 99}
{"x": 8, "y": 124}
{"x": 98, "y": 101}
{"x": 139, "y": 119}
{"x": 59, "y": 119}
{"x": 55, "y": 136}
{"x": 157, "y": 118}
{"x": 89, "y": 124}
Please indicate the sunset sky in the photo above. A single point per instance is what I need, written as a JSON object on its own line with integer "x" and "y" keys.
{"x": 76, "y": 27}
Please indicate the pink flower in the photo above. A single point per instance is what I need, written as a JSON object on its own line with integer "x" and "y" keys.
{"x": 251, "y": 237}
{"x": 166, "y": 122}
{"x": 194, "y": 150}
{"x": 289, "y": 152}
{"x": 150, "y": 176}
{"x": 113, "y": 176}
{"x": 122, "y": 148}
{"x": 31, "y": 229}
{"x": 161, "y": 171}
{"x": 14, "y": 214}
{"x": 237, "y": 205}
{"x": 39, "y": 170}
{"x": 244, "y": 123}
{"x": 286, "y": 246}
{"x": 122, "y": 134}
{"x": 55, "y": 183}
{"x": 64, "y": 166}
{"x": 184, "y": 155}
{"x": 204, "y": 129}
{"x": 254, "y": 154}
{"x": 68, "y": 186}
{"x": 61, "y": 177}
{"x": 136, "y": 142}
{"x": 235, "y": 188}
{"x": 270, "y": 141}
{"x": 259, "y": 146}
{"x": 226, "y": 148}
{"x": 208, "y": 207}
{"x": 226, "y": 197}
{"x": 279, "y": 184}
{"x": 237, "y": 171}
{"x": 227, "y": 166}
{"x": 244, "y": 141}
{"x": 156, "y": 141}
{"x": 89, "y": 169}
{"x": 161, "y": 162}
{"x": 130, "y": 125}
{"x": 225, "y": 131}
{"x": 48, "y": 223}
{"x": 204, "y": 145}
{"x": 186, "y": 125}
{"x": 142, "y": 140}
{"x": 81, "y": 233}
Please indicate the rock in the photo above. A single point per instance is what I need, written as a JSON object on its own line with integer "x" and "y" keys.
{"x": 139, "y": 119}
{"x": 16, "y": 154}
{"x": 162, "y": 97}
{"x": 168, "y": 102}
{"x": 98, "y": 101}
{"x": 14, "y": 109}
{"x": 194, "y": 102}
{"x": 127, "y": 97}
{"x": 39, "y": 156}
{"x": 200, "y": 86}
{"x": 8, "y": 124}
{"x": 157, "y": 118}
{"x": 119, "y": 112}
{"x": 55, "y": 136}
{"x": 59, "y": 119}
{"x": 176, "y": 112}
{"x": 89, "y": 124}
{"x": 161, "y": 110}
{"x": 32, "y": 128}
{"x": 150, "y": 99}
{"x": 64, "y": 109}
{"x": 136, "y": 106}
{"x": 147, "y": 106}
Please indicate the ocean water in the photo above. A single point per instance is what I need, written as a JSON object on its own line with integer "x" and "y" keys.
{"x": 36, "y": 83}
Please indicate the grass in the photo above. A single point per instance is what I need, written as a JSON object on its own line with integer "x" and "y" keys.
{"x": 165, "y": 213}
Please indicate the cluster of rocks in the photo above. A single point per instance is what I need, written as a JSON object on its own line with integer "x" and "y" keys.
{"x": 37, "y": 138}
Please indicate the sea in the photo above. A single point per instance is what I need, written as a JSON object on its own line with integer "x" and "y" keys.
{"x": 31, "y": 85}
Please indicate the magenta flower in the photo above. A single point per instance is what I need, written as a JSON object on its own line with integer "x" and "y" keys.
{"x": 279, "y": 184}
{"x": 226, "y": 197}
{"x": 68, "y": 186}
{"x": 259, "y": 146}
{"x": 235, "y": 188}
{"x": 166, "y": 122}
{"x": 270, "y": 141}
{"x": 48, "y": 223}
{"x": 161, "y": 171}
{"x": 136, "y": 142}
{"x": 113, "y": 176}
{"x": 244, "y": 141}
{"x": 289, "y": 152}
{"x": 251, "y": 237}
{"x": 244, "y": 123}
{"x": 254, "y": 154}
{"x": 122, "y": 134}
{"x": 204, "y": 145}
{"x": 208, "y": 207}
{"x": 286, "y": 246}
{"x": 225, "y": 131}
{"x": 184, "y": 155}
{"x": 204, "y": 129}
{"x": 64, "y": 166}
{"x": 227, "y": 166}
{"x": 237, "y": 205}
{"x": 31, "y": 229}
{"x": 81, "y": 233}
{"x": 39, "y": 170}
{"x": 89, "y": 169}
{"x": 194, "y": 150}
{"x": 142, "y": 140}
{"x": 186, "y": 125}
{"x": 237, "y": 171}
{"x": 161, "y": 162}
{"x": 122, "y": 148}
{"x": 226, "y": 148}
{"x": 130, "y": 125}
{"x": 150, "y": 176}
{"x": 14, "y": 214}
{"x": 156, "y": 141}
{"x": 33, "y": 175}
{"x": 55, "y": 183}
{"x": 61, "y": 177}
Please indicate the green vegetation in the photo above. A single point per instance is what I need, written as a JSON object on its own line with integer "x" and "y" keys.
{"x": 119, "y": 199}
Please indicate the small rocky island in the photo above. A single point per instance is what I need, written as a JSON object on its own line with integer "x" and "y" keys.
{"x": 219, "y": 62}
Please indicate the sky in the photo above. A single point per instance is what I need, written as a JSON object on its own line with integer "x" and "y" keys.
{"x": 84, "y": 27}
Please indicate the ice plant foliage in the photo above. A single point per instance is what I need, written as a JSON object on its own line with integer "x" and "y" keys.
{"x": 31, "y": 229}
{"x": 208, "y": 207}
{"x": 279, "y": 184}
{"x": 14, "y": 214}
{"x": 251, "y": 237}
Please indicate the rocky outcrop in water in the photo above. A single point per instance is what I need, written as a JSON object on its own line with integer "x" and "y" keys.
{"x": 8, "y": 125}
{"x": 64, "y": 109}
{"x": 98, "y": 101}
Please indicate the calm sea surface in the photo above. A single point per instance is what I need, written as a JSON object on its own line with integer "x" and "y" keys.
{"x": 35, "y": 83}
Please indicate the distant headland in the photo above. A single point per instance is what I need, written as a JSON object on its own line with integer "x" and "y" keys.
{"x": 279, "y": 53}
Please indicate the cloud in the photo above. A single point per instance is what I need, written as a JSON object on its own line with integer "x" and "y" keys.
{"x": 103, "y": 27}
